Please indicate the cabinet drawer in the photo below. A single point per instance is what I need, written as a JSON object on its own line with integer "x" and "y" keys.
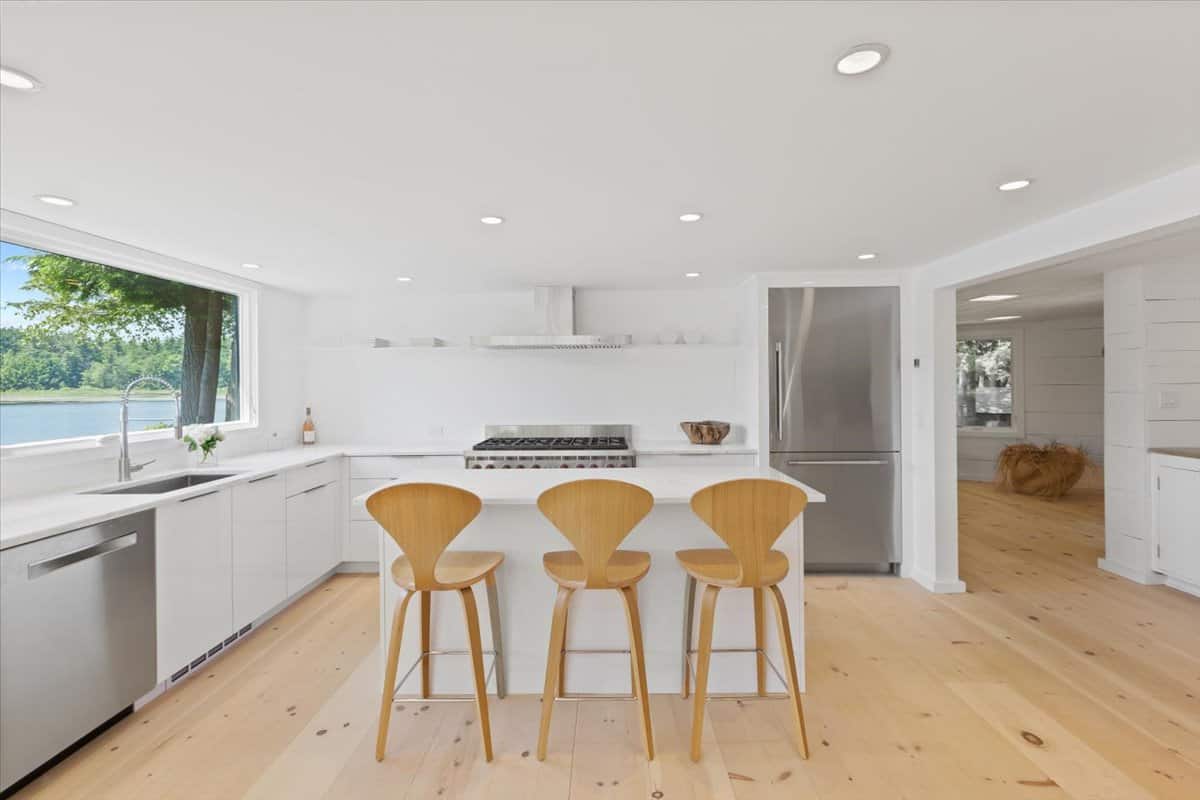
{"x": 392, "y": 466}
{"x": 301, "y": 479}
{"x": 359, "y": 487}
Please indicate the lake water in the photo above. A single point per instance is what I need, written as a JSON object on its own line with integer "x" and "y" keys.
{"x": 39, "y": 422}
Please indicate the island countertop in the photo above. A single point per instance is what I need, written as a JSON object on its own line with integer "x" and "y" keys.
{"x": 668, "y": 485}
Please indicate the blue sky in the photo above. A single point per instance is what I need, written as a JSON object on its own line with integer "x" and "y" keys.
{"x": 12, "y": 278}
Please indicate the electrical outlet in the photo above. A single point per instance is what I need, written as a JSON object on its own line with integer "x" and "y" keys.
{"x": 1168, "y": 399}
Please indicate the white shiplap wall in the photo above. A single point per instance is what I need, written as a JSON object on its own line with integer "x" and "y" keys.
{"x": 1152, "y": 396}
{"x": 1063, "y": 387}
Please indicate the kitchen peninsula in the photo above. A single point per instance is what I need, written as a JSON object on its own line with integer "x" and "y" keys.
{"x": 511, "y": 522}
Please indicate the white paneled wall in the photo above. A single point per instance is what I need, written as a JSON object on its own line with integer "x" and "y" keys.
{"x": 1152, "y": 396}
{"x": 1063, "y": 387}
{"x": 396, "y": 395}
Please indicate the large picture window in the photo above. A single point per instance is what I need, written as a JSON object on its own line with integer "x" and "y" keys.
{"x": 74, "y": 333}
{"x": 987, "y": 384}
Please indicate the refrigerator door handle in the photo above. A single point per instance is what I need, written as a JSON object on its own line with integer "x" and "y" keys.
{"x": 779, "y": 390}
{"x": 832, "y": 463}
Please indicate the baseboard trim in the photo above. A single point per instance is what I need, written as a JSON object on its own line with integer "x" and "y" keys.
{"x": 359, "y": 567}
{"x": 1181, "y": 585}
{"x": 1144, "y": 577}
{"x": 938, "y": 586}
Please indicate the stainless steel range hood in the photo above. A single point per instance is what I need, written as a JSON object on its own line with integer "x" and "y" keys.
{"x": 555, "y": 308}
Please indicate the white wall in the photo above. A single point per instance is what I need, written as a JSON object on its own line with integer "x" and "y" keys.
{"x": 393, "y": 395}
{"x": 1152, "y": 397}
{"x": 1062, "y": 386}
{"x": 1134, "y": 212}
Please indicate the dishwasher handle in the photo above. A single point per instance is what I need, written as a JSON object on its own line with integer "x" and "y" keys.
{"x": 44, "y": 567}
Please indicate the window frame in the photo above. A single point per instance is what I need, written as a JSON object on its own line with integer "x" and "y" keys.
{"x": 40, "y": 235}
{"x": 1017, "y": 429}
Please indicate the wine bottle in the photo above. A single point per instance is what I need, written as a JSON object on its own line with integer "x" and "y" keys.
{"x": 308, "y": 431}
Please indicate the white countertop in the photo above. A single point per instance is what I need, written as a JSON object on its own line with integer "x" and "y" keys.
{"x": 27, "y": 519}
{"x": 652, "y": 447}
{"x": 522, "y": 486}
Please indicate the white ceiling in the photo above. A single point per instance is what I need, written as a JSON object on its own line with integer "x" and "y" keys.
{"x": 342, "y": 144}
{"x": 1074, "y": 286}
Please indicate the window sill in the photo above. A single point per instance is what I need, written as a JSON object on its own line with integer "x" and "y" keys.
{"x": 100, "y": 442}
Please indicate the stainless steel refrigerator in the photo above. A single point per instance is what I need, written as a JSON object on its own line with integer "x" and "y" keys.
{"x": 835, "y": 419}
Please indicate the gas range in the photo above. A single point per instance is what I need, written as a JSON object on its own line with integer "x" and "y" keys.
{"x": 552, "y": 447}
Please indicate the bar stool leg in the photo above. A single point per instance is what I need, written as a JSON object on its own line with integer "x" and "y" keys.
{"x": 760, "y": 641}
{"x": 689, "y": 613}
{"x": 707, "y": 606}
{"x": 558, "y": 626}
{"x": 497, "y": 639}
{"x": 562, "y": 658}
{"x": 789, "y": 662}
{"x": 426, "y": 612}
{"x": 471, "y": 612}
{"x": 638, "y": 661}
{"x": 389, "y": 673}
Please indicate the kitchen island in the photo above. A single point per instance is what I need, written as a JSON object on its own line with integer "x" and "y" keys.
{"x": 510, "y": 522}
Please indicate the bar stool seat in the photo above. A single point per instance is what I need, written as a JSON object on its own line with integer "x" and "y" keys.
{"x": 625, "y": 568}
{"x": 454, "y": 570}
{"x": 720, "y": 567}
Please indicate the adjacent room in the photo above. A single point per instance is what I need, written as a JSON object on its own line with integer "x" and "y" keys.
{"x": 671, "y": 400}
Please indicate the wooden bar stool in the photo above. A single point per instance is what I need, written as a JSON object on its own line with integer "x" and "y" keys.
{"x": 748, "y": 515}
{"x": 595, "y": 516}
{"x": 423, "y": 518}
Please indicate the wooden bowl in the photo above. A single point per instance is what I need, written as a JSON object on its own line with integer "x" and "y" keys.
{"x": 705, "y": 432}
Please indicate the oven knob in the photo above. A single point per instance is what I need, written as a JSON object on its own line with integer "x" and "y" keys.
{"x": 593, "y": 466}
{"x": 536, "y": 466}
{"x": 507, "y": 466}
{"x": 475, "y": 466}
{"x": 490, "y": 466}
{"x": 580, "y": 466}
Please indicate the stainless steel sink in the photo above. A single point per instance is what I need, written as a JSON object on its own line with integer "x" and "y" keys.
{"x": 164, "y": 485}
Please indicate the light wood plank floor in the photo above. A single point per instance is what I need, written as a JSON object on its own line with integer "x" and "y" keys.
{"x": 1048, "y": 679}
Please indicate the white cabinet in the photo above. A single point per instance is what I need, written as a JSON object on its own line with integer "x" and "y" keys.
{"x": 368, "y": 473}
{"x": 312, "y": 535}
{"x": 1176, "y": 520}
{"x": 193, "y": 562}
{"x": 259, "y": 548}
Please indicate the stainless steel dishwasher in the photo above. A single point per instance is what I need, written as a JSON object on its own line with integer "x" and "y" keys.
{"x": 77, "y": 637}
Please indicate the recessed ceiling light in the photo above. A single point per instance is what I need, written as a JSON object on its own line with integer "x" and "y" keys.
{"x": 1012, "y": 186}
{"x": 55, "y": 200}
{"x": 491, "y": 220}
{"x": 691, "y": 274}
{"x": 994, "y": 298}
{"x": 15, "y": 79}
{"x": 403, "y": 279}
{"x": 862, "y": 58}
{"x": 1003, "y": 319}
{"x": 691, "y": 216}
{"x": 867, "y": 256}
{"x": 251, "y": 266}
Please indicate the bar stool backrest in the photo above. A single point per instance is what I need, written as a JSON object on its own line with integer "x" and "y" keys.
{"x": 749, "y": 515}
{"x": 595, "y": 515}
{"x": 423, "y": 518}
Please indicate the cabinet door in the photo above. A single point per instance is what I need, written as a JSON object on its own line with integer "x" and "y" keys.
{"x": 312, "y": 546}
{"x": 1177, "y": 508}
{"x": 194, "y": 578}
{"x": 259, "y": 548}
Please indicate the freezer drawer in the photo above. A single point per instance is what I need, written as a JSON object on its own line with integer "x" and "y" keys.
{"x": 857, "y": 529}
